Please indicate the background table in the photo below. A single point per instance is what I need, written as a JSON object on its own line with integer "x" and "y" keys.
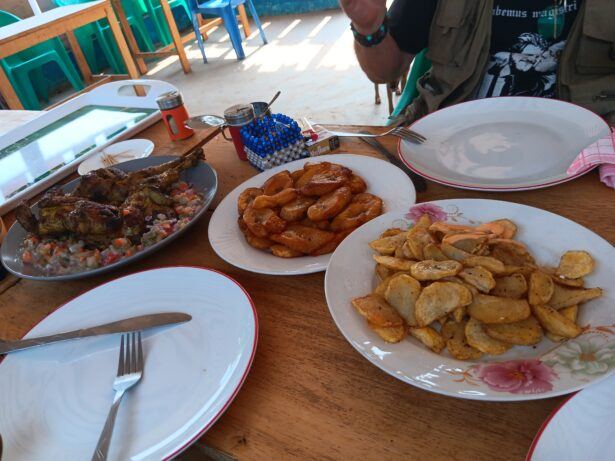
{"x": 309, "y": 394}
{"x": 177, "y": 45}
{"x": 53, "y": 23}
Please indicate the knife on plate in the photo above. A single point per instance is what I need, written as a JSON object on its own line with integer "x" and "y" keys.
{"x": 142, "y": 322}
{"x": 419, "y": 182}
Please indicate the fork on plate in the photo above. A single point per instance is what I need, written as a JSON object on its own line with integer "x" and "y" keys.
{"x": 398, "y": 131}
{"x": 129, "y": 373}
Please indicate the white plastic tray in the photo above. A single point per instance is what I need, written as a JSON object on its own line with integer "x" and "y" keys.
{"x": 39, "y": 153}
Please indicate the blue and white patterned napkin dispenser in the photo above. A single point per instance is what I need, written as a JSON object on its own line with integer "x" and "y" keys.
{"x": 273, "y": 140}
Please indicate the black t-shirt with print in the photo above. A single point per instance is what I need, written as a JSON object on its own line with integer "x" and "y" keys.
{"x": 526, "y": 41}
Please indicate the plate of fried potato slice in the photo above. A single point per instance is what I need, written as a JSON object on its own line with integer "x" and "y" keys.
{"x": 288, "y": 220}
{"x": 478, "y": 299}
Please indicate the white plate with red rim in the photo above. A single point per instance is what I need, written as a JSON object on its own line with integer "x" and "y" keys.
{"x": 55, "y": 398}
{"x": 386, "y": 181}
{"x": 582, "y": 428}
{"x": 522, "y": 373}
{"x": 503, "y": 143}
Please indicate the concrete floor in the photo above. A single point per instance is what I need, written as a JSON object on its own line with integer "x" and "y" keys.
{"x": 310, "y": 58}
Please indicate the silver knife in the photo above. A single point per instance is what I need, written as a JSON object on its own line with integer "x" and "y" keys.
{"x": 142, "y": 322}
{"x": 419, "y": 181}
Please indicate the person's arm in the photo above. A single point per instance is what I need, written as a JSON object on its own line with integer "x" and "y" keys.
{"x": 384, "y": 62}
{"x": 409, "y": 22}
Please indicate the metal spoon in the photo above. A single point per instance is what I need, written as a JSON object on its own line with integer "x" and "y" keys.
{"x": 205, "y": 121}
{"x": 277, "y": 95}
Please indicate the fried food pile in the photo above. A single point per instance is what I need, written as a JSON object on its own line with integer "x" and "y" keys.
{"x": 306, "y": 212}
{"x": 472, "y": 290}
{"x": 108, "y": 203}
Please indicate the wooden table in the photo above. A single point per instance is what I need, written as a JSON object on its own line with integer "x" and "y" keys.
{"x": 309, "y": 394}
{"x": 177, "y": 46}
{"x": 53, "y": 23}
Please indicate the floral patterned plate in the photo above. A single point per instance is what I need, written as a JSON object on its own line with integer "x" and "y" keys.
{"x": 523, "y": 373}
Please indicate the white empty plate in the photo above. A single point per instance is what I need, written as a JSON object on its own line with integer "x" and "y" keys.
{"x": 583, "y": 428}
{"x": 55, "y": 399}
{"x": 500, "y": 144}
{"x": 121, "y": 152}
{"x": 386, "y": 181}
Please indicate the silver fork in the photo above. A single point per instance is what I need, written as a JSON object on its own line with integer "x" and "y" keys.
{"x": 399, "y": 131}
{"x": 129, "y": 372}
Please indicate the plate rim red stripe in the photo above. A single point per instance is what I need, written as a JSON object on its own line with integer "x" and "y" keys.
{"x": 545, "y": 424}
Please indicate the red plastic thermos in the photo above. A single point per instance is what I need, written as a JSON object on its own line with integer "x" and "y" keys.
{"x": 236, "y": 117}
{"x": 174, "y": 115}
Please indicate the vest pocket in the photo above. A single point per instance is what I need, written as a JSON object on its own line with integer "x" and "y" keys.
{"x": 596, "y": 94}
{"x": 449, "y": 34}
{"x": 597, "y": 44}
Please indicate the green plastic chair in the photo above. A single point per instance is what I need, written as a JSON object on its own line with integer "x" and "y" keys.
{"x": 24, "y": 69}
{"x": 154, "y": 10}
{"x": 420, "y": 65}
{"x": 101, "y": 32}
{"x": 134, "y": 15}
{"x": 86, "y": 36}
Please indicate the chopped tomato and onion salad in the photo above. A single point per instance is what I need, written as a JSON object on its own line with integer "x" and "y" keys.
{"x": 65, "y": 255}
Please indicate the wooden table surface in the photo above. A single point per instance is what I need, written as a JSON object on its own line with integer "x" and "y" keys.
{"x": 25, "y": 26}
{"x": 58, "y": 21}
{"x": 309, "y": 394}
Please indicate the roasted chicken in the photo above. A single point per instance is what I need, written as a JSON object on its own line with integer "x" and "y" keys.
{"x": 108, "y": 203}
{"x": 110, "y": 185}
{"x": 60, "y": 214}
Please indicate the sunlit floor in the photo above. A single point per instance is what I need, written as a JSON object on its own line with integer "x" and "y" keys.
{"x": 310, "y": 58}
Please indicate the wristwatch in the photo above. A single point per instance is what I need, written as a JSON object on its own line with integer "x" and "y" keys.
{"x": 372, "y": 39}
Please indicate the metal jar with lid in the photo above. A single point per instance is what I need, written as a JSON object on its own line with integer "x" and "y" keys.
{"x": 236, "y": 117}
{"x": 174, "y": 115}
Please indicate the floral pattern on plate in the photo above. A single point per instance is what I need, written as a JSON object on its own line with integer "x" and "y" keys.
{"x": 436, "y": 213}
{"x": 590, "y": 355}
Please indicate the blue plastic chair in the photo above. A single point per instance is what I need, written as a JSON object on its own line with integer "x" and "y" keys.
{"x": 226, "y": 10}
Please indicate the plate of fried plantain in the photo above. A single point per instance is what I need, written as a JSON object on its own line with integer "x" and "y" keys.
{"x": 288, "y": 220}
{"x": 478, "y": 299}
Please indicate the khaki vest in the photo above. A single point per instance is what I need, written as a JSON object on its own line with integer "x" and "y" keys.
{"x": 459, "y": 42}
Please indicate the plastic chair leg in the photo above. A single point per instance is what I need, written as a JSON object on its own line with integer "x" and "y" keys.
{"x": 110, "y": 54}
{"x": 41, "y": 87}
{"x": 184, "y": 6}
{"x": 24, "y": 98}
{"x": 25, "y": 91}
{"x": 142, "y": 35}
{"x": 85, "y": 38}
{"x": 66, "y": 65}
{"x": 230, "y": 22}
{"x": 257, "y": 20}
{"x": 159, "y": 21}
{"x": 195, "y": 25}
